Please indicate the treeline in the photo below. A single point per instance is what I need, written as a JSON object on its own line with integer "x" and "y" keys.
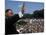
{"x": 36, "y": 14}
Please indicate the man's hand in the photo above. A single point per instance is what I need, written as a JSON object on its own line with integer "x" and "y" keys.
{"x": 20, "y": 14}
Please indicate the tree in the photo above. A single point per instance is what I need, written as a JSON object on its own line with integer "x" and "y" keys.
{"x": 39, "y": 13}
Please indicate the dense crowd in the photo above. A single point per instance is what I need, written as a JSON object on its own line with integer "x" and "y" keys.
{"x": 31, "y": 26}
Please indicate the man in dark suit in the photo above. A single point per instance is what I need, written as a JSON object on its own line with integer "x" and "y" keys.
{"x": 10, "y": 19}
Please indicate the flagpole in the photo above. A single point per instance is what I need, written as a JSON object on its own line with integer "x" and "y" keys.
{"x": 23, "y": 8}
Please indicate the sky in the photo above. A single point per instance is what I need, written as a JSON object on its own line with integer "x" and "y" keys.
{"x": 30, "y": 7}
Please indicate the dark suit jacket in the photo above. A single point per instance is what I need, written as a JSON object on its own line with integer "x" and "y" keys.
{"x": 9, "y": 27}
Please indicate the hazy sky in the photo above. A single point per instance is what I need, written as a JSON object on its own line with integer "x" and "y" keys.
{"x": 30, "y": 7}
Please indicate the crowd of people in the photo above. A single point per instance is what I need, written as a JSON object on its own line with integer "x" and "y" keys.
{"x": 36, "y": 25}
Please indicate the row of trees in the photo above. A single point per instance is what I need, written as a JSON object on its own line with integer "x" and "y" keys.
{"x": 36, "y": 14}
